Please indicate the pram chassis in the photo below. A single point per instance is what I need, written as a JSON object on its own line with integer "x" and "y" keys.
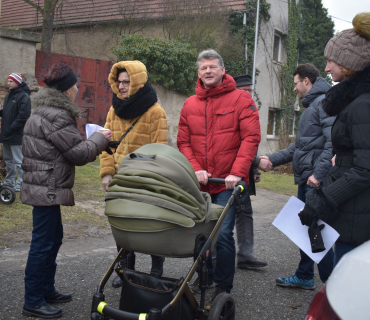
{"x": 101, "y": 311}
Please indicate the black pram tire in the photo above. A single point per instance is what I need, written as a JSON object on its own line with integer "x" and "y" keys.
{"x": 223, "y": 307}
{"x": 7, "y": 195}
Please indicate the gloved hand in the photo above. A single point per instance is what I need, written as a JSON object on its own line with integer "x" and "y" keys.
{"x": 314, "y": 233}
{"x": 306, "y": 215}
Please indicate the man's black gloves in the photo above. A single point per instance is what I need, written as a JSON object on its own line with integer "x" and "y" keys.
{"x": 307, "y": 215}
{"x": 314, "y": 233}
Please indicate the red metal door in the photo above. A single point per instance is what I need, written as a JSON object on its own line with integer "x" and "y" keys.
{"x": 94, "y": 95}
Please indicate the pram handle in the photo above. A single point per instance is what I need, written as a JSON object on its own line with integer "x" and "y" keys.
{"x": 216, "y": 180}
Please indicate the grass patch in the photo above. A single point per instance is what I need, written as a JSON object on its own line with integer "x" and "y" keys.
{"x": 279, "y": 183}
{"x": 87, "y": 219}
{"x": 16, "y": 219}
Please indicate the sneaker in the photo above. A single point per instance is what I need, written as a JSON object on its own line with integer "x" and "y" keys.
{"x": 194, "y": 287}
{"x": 295, "y": 282}
{"x": 217, "y": 291}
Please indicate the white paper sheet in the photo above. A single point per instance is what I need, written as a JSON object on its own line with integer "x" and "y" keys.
{"x": 289, "y": 223}
{"x": 91, "y": 128}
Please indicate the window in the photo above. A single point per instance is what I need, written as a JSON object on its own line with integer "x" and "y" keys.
{"x": 277, "y": 48}
{"x": 271, "y": 124}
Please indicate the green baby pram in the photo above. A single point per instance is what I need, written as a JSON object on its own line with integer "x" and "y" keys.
{"x": 154, "y": 205}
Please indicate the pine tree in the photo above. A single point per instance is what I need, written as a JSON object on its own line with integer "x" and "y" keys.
{"x": 315, "y": 30}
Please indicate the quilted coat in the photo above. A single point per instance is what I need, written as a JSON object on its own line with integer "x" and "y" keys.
{"x": 347, "y": 187}
{"x": 219, "y": 131}
{"x": 151, "y": 127}
{"x": 16, "y": 110}
{"x": 311, "y": 152}
{"x": 52, "y": 147}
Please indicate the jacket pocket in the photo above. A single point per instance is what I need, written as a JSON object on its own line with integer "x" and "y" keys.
{"x": 225, "y": 118}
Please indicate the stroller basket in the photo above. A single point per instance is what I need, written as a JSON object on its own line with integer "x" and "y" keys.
{"x": 142, "y": 292}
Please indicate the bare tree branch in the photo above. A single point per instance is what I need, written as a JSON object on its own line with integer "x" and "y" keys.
{"x": 37, "y": 7}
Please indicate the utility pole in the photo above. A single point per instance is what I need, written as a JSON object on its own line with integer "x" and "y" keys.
{"x": 255, "y": 48}
{"x": 246, "y": 45}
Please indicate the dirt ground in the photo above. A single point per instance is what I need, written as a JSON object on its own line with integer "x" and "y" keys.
{"x": 75, "y": 229}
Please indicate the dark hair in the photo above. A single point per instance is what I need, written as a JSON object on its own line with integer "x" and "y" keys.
{"x": 307, "y": 70}
{"x": 57, "y": 72}
{"x": 120, "y": 71}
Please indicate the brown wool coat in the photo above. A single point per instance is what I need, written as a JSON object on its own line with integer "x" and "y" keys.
{"x": 151, "y": 128}
{"x": 52, "y": 146}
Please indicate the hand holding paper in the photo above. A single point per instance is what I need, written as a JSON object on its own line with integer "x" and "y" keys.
{"x": 289, "y": 223}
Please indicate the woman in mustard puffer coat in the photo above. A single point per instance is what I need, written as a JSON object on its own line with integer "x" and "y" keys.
{"x": 134, "y": 103}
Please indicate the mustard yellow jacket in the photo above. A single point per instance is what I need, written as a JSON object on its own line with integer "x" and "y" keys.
{"x": 151, "y": 128}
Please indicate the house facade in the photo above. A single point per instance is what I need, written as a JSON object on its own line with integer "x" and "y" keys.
{"x": 90, "y": 28}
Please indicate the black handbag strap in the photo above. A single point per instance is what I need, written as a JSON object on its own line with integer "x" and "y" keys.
{"x": 115, "y": 144}
{"x": 128, "y": 130}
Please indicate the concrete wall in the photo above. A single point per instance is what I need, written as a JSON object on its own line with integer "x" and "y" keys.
{"x": 17, "y": 52}
{"x": 172, "y": 103}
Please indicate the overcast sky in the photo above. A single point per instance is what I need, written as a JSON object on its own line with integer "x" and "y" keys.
{"x": 345, "y": 10}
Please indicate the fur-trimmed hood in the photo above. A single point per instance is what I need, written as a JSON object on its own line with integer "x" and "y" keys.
{"x": 342, "y": 94}
{"x": 50, "y": 97}
{"x": 138, "y": 76}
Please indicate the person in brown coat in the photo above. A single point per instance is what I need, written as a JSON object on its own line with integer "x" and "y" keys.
{"x": 52, "y": 147}
{"x": 136, "y": 113}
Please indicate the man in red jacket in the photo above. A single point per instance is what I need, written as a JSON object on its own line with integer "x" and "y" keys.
{"x": 219, "y": 133}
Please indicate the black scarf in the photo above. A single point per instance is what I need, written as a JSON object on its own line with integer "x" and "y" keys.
{"x": 137, "y": 104}
{"x": 346, "y": 91}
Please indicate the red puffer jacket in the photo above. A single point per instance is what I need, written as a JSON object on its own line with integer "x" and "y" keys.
{"x": 219, "y": 131}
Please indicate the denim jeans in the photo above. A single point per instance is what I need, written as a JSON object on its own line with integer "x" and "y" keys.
{"x": 306, "y": 265}
{"x": 47, "y": 235}
{"x": 13, "y": 158}
{"x": 224, "y": 273}
{"x": 341, "y": 249}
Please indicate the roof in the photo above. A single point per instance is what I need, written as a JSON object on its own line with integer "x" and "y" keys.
{"x": 19, "y": 14}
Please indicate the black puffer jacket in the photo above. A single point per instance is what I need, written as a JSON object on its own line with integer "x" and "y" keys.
{"x": 15, "y": 112}
{"x": 311, "y": 152}
{"x": 52, "y": 146}
{"x": 347, "y": 189}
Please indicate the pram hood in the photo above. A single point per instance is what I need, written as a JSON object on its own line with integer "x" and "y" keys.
{"x": 156, "y": 189}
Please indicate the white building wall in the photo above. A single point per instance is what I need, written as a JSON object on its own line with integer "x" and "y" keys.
{"x": 268, "y": 80}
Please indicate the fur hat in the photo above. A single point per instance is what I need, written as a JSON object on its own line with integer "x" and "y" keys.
{"x": 137, "y": 73}
{"x": 16, "y": 77}
{"x": 351, "y": 48}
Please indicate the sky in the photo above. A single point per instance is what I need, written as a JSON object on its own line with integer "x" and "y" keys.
{"x": 345, "y": 10}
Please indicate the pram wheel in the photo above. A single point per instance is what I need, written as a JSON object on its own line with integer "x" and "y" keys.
{"x": 223, "y": 307}
{"x": 7, "y": 195}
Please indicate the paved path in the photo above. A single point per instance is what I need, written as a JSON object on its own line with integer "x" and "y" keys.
{"x": 82, "y": 263}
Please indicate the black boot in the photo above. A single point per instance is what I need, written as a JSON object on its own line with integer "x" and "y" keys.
{"x": 157, "y": 266}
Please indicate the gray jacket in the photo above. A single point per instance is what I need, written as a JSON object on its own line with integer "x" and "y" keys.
{"x": 311, "y": 152}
